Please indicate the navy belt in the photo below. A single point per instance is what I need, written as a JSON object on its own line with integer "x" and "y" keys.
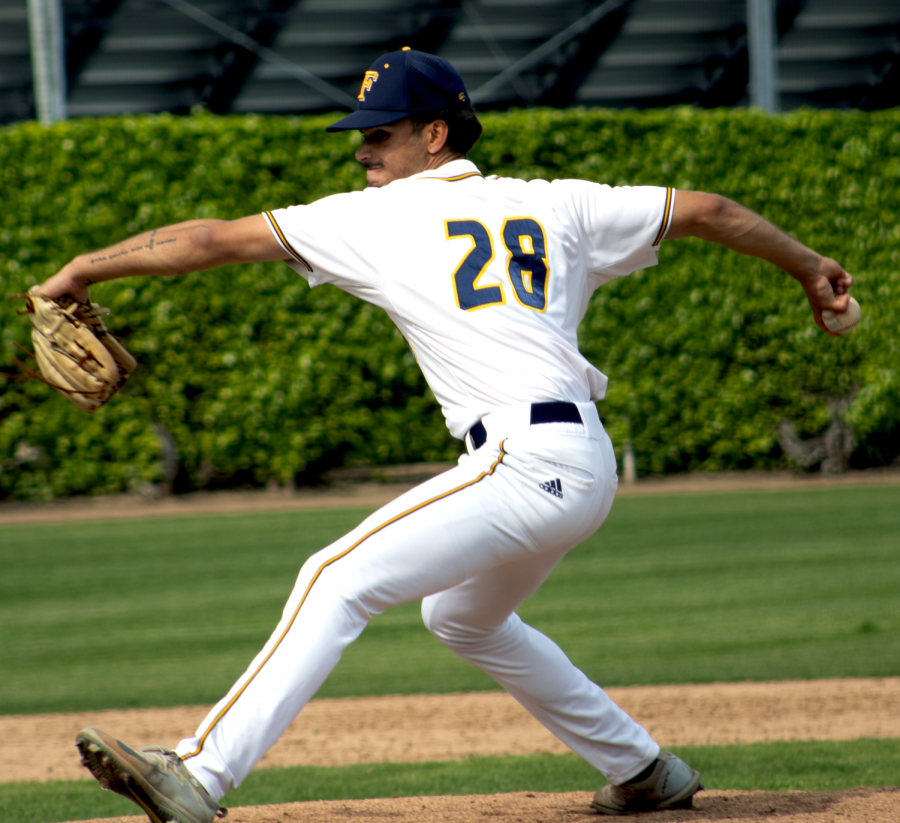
{"x": 553, "y": 412}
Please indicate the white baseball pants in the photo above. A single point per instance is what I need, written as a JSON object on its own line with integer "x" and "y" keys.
{"x": 472, "y": 543}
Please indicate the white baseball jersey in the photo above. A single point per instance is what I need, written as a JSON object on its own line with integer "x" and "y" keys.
{"x": 465, "y": 264}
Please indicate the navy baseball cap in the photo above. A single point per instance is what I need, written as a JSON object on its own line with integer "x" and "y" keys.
{"x": 403, "y": 83}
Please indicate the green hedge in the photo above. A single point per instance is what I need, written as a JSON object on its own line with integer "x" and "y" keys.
{"x": 257, "y": 376}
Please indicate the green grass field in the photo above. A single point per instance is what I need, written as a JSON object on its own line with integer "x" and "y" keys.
{"x": 764, "y": 766}
{"x": 163, "y": 612}
{"x": 675, "y": 589}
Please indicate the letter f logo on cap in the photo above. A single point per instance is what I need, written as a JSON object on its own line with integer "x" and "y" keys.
{"x": 368, "y": 80}
{"x": 400, "y": 84}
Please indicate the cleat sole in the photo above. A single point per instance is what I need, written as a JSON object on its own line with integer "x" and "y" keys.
{"x": 113, "y": 777}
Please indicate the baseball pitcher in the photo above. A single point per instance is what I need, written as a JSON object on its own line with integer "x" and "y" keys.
{"x": 487, "y": 278}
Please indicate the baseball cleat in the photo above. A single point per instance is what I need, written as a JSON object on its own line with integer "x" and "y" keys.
{"x": 671, "y": 785}
{"x": 153, "y": 777}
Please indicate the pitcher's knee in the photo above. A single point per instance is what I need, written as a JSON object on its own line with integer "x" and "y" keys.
{"x": 431, "y": 615}
{"x": 452, "y": 629}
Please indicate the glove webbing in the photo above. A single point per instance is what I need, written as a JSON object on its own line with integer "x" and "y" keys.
{"x": 31, "y": 374}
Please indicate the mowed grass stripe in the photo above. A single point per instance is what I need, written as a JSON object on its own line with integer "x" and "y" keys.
{"x": 693, "y": 588}
{"x": 809, "y": 766}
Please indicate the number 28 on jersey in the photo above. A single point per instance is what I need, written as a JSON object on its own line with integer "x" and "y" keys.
{"x": 526, "y": 265}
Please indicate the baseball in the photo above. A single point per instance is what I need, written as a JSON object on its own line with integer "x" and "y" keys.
{"x": 842, "y": 323}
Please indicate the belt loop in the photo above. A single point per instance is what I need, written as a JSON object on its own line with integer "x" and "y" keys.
{"x": 593, "y": 426}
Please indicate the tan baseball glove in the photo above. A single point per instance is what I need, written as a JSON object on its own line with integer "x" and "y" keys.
{"x": 76, "y": 353}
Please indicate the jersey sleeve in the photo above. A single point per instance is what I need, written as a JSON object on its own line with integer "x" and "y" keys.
{"x": 622, "y": 226}
{"x": 329, "y": 241}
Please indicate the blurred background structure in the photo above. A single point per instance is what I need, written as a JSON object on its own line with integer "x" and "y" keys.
{"x": 79, "y": 58}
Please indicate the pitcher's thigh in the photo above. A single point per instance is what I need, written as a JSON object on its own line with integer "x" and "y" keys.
{"x": 430, "y": 539}
{"x": 548, "y": 527}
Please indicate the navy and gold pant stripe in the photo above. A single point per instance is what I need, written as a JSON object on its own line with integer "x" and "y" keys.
{"x": 318, "y": 574}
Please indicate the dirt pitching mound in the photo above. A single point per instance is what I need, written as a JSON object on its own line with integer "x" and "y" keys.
{"x": 445, "y": 727}
{"x": 870, "y": 805}
{"x": 416, "y": 728}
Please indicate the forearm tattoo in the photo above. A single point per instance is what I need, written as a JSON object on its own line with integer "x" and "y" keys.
{"x": 150, "y": 245}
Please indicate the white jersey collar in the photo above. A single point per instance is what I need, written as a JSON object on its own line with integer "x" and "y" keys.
{"x": 454, "y": 170}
